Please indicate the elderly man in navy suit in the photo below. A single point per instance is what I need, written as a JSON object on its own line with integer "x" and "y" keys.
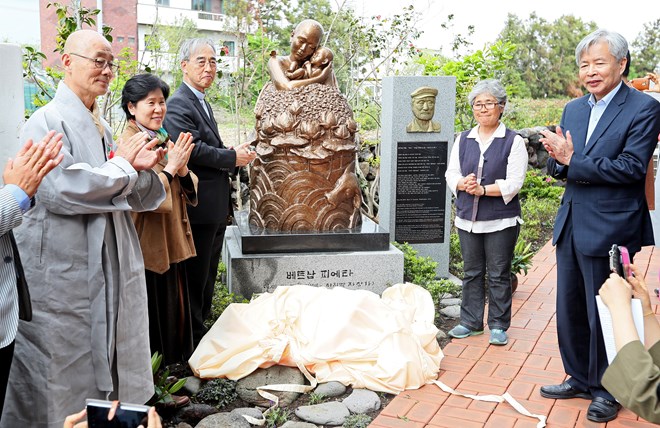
{"x": 602, "y": 149}
{"x": 189, "y": 111}
{"x": 21, "y": 177}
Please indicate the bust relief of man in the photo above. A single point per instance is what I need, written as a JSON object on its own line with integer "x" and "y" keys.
{"x": 423, "y": 108}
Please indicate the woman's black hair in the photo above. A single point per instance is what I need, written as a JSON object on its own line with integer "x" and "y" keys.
{"x": 138, "y": 87}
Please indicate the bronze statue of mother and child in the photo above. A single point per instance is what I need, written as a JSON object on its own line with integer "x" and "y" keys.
{"x": 303, "y": 179}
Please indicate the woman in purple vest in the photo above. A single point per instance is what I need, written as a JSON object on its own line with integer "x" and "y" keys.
{"x": 486, "y": 170}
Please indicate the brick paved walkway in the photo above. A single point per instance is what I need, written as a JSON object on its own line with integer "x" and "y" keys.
{"x": 530, "y": 359}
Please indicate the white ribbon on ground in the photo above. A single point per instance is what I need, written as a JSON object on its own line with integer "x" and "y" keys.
{"x": 496, "y": 399}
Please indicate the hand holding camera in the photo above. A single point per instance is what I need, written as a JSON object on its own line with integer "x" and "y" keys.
{"x": 112, "y": 414}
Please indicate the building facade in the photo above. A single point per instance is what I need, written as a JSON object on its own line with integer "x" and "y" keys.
{"x": 121, "y": 15}
{"x": 134, "y": 22}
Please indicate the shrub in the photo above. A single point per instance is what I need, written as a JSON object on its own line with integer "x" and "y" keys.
{"x": 276, "y": 417}
{"x": 539, "y": 216}
{"x": 441, "y": 287}
{"x": 416, "y": 269}
{"x": 455, "y": 255}
{"x": 163, "y": 388}
{"x": 217, "y": 392}
{"x": 221, "y": 298}
{"x": 528, "y": 113}
{"x": 540, "y": 186}
{"x": 522, "y": 257}
{"x": 315, "y": 398}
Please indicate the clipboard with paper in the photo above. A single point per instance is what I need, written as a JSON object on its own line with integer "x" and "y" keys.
{"x": 607, "y": 327}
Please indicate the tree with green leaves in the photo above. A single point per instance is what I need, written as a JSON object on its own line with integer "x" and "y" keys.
{"x": 69, "y": 19}
{"x": 545, "y": 60}
{"x": 645, "y": 49}
{"x": 162, "y": 45}
{"x": 73, "y": 18}
{"x": 486, "y": 63}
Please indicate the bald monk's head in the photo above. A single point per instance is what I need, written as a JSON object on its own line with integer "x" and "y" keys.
{"x": 88, "y": 65}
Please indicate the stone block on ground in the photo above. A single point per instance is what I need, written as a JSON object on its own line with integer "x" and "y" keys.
{"x": 296, "y": 424}
{"x": 330, "y": 389}
{"x": 248, "y": 411}
{"x": 276, "y": 375}
{"x": 451, "y": 311}
{"x": 331, "y": 413}
{"x": 223, "y": 420}
{"x": 362, "y": 401}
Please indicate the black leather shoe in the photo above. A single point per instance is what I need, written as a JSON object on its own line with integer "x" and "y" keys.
{"x": 602, "y": 410}
{"x": 561, "y": 391}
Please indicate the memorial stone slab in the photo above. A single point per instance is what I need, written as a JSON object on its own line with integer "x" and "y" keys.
{"x": 415, "y": 204}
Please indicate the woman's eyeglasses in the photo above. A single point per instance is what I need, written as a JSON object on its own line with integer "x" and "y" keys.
{"x": 489, "y": 106}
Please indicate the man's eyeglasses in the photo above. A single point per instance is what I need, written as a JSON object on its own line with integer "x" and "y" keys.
{"x": 201, "y": 63}
{"x": 489, "y": 106}
{"x": 100, "y": 63}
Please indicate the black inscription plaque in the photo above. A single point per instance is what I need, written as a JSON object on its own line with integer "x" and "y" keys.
{"x": 420, "y": 192}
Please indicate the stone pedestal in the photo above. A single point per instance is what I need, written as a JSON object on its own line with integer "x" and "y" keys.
{"x": 257, "y": 273}
{"x": 368, "y": 236}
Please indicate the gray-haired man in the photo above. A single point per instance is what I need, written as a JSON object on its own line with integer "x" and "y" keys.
{"x": 188, "y": 111}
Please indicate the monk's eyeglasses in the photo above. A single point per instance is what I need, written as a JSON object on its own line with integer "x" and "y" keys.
{"x": 100, "y": 62}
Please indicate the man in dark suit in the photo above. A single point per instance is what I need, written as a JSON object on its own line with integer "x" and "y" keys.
{"x": 609, "y": 138}
{"x": 212, "y": 162}
{"x": 21, "y": 177}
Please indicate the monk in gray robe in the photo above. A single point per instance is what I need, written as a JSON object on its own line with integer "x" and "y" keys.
{"x": 88, "y": 337}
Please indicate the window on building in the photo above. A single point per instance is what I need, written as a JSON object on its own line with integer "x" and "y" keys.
{"x": 163, "y": 2}
{"x": 229, "y": 47}
{"x": 120, "y": 39}
{"x": 131, "y": 40}
{"x": 203, "y": 5}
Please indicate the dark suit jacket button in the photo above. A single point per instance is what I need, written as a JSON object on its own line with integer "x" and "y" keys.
{"x": 8, "y": 259}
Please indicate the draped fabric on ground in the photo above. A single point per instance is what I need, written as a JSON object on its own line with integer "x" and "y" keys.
{"x": 354, "y": 337}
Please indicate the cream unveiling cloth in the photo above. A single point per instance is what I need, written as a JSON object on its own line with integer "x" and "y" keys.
{"x": 351, "y": 336}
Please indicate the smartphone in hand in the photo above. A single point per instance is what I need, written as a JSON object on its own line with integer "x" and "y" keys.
{"x": 620, "y": 261}
{"x": 126, "y": 416}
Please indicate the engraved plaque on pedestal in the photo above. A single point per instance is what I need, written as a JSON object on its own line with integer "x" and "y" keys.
{"x": 420, "y": 192}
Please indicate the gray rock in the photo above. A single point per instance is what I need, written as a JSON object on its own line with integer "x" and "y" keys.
{"x": 330, "y": 389}
{"x": 295, "y": 424}
{"x": 450, "y": 302}
{"x": 331, "y": 413}
{"x": 441, "y": 335}
{"x": 451, "y": 311}
{"x": 194, "y": 412}
{"x": 183, "y": 425}
{"x": 192, "y": 385}
{"x": 223, "y": 420}
{"x": 456, "y": 280}
{"x": 249, "y": 411}
{"x": 528, "y": 132}
{"x": 362, "y": 401}
{"x": 246, "y": 388}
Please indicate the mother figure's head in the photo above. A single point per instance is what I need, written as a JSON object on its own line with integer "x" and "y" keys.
{"x": 143, "y": 100}
{"x": 487, "y": 99}
{"x": 305, "y": 38}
